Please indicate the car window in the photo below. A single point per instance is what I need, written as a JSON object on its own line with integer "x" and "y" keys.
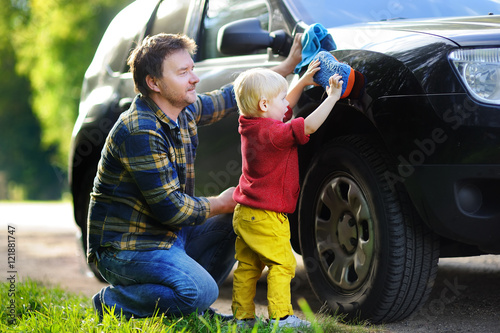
{"x": 118, "y": 38}
{"x": 221, "y": 12}
{"x": 170, "y": 17}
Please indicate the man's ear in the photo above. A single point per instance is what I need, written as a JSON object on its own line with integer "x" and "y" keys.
{"x": 152, "y": 83}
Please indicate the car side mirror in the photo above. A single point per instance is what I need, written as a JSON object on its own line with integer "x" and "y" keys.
{"x": 246, "y": 37}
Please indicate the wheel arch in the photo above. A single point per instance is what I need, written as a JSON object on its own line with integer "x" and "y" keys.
{"x": 83, "y": 167}
{"x": 345, "y": 119}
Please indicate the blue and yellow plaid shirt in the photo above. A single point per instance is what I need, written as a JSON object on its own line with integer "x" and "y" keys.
{"x": 144, "y": 188}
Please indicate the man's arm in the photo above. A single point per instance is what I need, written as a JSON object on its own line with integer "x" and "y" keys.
{"x": 294, "y": 57}
{"x": 144, "y": 155}
{"x": 212, "y": 107}
{"x": 223, "y": 203}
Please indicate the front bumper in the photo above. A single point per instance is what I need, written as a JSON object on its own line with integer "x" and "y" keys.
{"x": 459, "y": 202}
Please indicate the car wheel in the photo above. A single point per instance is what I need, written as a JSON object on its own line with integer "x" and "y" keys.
{"x": 83, "y": 210}
{"x": 366, "y": 252}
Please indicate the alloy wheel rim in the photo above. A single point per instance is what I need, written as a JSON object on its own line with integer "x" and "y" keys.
{"x": 344, "y": 233}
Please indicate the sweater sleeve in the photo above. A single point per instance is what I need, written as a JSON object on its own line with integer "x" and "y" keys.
{"x": 285, "y": 135}
{"x": 298, "y": 128}
{"x": 288, "y": 115}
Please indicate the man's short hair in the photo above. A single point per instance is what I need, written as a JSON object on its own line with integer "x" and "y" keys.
{"x": 255, "y": 84}
{"x": 147, "y": 58}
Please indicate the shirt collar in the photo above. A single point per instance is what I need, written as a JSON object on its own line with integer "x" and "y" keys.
{"x": 159, "y": 113}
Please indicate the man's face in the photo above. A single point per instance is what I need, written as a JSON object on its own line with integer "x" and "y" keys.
{"x": 178, "y": 84}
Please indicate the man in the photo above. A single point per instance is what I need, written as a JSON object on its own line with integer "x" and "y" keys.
{"x": 160, "y": 247}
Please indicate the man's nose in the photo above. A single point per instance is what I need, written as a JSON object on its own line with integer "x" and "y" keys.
{"x": 194, "y": 78}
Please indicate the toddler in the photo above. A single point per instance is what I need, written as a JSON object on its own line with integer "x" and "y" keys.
{"x": 269, "y": 186}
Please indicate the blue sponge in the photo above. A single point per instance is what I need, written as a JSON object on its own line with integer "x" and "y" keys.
{"x": 329, "y": 65}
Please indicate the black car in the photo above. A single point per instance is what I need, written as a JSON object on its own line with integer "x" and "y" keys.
{"x": 407, "y": 172}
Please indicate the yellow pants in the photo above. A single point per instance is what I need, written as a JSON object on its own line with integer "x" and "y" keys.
{"x": 263, "y": 240}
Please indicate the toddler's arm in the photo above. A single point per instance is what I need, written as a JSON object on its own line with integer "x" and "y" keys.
{"x": 318, "y": 116}
{"x": 306, "y": 80}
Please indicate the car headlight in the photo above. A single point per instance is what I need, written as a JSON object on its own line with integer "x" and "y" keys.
{"x": 479, "y": 69}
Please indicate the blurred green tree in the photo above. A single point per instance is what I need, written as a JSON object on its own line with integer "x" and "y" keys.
{"x": 45, "y": 48}
{"x": 22, "y": 158}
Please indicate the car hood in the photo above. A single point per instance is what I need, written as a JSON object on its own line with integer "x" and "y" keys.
{"x": 462, "y": 31}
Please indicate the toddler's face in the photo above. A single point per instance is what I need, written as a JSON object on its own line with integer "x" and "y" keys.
{"x": 277, "y": 107}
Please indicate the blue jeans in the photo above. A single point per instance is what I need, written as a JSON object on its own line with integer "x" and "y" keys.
{"x": 180, "y": 280}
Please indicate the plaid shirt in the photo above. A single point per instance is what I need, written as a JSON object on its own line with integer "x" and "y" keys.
{"x": 144, "y": 188}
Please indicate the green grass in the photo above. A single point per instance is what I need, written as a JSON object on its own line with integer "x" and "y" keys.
{"x": 29, "y": 306}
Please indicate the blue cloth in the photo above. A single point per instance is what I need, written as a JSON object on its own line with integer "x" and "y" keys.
{"x": 177, "y": 281}
{"x": 316, "y": 38}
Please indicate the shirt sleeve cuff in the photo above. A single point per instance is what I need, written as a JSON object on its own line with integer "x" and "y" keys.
{"x": 206, "y": 202}
{"x": 298, "y": 130}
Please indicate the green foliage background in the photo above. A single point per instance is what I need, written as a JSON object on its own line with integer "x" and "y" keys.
{"x": 45, "y": 48}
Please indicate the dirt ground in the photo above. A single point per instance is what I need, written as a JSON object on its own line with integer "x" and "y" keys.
{"x": 466, "y": 296}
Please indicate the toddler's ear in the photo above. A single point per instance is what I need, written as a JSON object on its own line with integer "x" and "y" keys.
{"x": 263, "y": 105}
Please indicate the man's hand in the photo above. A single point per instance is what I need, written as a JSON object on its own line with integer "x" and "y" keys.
{"x": 294, "y": 57}
{"x": 223, "y": 203}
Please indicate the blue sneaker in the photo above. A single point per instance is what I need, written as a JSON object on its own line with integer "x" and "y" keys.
{"x": 212, "y": 313}
{"x": 290, "y": 321}
{"x": 246, "y": 323}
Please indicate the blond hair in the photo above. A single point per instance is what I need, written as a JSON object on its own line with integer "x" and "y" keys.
{"x": 253, "y": 85}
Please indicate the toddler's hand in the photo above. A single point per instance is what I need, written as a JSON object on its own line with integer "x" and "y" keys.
{"x": 335, "y": 87}
{"x": 312, "y": 69}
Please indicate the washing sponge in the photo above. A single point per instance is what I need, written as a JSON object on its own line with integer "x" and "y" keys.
{"x": 353, "y": 81}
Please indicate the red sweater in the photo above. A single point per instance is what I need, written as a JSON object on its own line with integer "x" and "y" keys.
{"x": 270, "y": 170}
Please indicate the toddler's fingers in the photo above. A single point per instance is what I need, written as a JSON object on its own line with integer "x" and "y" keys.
{"x": 314, "y": 64}
{"x": 314, "y": 70}
{"x": 334, "y": 79}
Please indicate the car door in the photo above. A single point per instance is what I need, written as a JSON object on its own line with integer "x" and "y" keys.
{"x": 218, "y": 162}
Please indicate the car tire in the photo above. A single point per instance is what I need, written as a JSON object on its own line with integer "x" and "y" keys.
{"x": 83, "y": 209}
{"x": 366, "y": 252}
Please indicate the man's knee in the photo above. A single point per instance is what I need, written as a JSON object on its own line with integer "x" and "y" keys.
{"x": 200, "y": 296}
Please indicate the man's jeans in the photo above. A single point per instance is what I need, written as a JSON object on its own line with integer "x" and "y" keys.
{"x": 177, "y": 281}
